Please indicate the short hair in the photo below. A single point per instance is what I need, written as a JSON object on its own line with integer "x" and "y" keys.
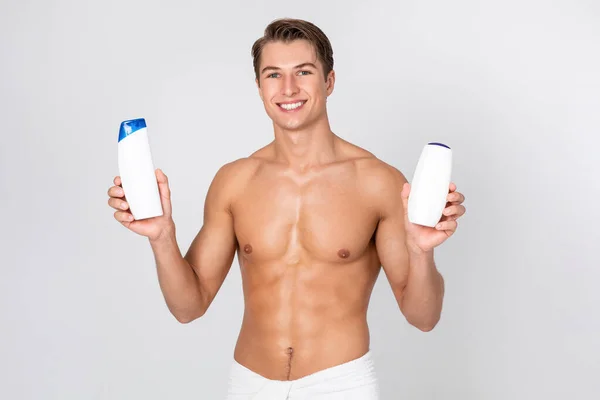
{"x": 290, "y": 29}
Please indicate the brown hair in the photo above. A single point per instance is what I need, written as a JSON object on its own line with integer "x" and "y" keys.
{"x": 288, "y": 30}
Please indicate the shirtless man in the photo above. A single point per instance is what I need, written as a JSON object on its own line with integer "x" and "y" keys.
{"x": 312, "y": 218}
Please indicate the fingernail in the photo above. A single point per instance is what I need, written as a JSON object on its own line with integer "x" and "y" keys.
{"x": 124, "y": 206}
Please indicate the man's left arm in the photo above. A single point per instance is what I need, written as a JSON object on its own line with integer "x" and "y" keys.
{"x": 406, "y": 251}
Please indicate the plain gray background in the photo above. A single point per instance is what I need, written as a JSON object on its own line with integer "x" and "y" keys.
{"x": 512, "y": 86}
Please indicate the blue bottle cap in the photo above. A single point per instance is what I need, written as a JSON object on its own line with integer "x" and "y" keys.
{"x": 438, "y": 144}
{"x": 130, "y": 126}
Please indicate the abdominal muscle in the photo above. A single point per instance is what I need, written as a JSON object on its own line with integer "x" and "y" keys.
{"x": 305, "y": 317}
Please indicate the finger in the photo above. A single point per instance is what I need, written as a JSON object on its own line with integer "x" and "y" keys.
{"x": 449, "y": 210}
{"x": 117, "y": 180}
{"x": 452, "y": 187}
{"x": 405, "y": 190}
{"x": 404, "y": 195}
{"x": 123, "y": 216}
{"x": 161, "y": 177}
{"x": 454, "y": 210}
{"x": 165, "y": 190}
{"x": 116, "y": 191}
{"x": 118, "y": 204}
{"x": 449, "y": 226}
{"x": 455, "y": 197}
{"x": 448, "y": 218}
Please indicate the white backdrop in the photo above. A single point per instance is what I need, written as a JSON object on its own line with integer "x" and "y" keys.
{"x": 512, "y": 86}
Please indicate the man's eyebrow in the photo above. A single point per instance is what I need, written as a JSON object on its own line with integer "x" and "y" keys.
{"x": 307, "y": 64}
{"x": 303, "y": 65}
{"x": 269, "y": 68}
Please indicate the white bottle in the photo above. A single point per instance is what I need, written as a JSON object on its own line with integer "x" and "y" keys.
{"x": 430, "y": 185}
{"x": 137, "y": 172}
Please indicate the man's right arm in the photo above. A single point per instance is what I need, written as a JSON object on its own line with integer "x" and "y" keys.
{"x": 189, "y": 284}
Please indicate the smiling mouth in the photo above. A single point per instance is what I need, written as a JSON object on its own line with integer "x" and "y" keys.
{"x": 291, "y": 106}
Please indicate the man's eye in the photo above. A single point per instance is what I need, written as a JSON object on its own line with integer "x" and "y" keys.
{"x": 273, "y": 75}
{"x": 304, "y": 72}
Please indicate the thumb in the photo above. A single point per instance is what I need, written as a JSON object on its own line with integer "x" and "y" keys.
{"x": 404, "y": 194}
{"x": 165, "y": 191}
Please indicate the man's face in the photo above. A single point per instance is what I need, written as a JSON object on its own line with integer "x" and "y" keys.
{"x": 292, "y": 85}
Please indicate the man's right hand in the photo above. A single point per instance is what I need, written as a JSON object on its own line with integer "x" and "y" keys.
{"x": 153, "y": 228}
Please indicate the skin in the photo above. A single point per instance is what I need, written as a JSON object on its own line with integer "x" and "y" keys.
{"x": 313, "y": 220}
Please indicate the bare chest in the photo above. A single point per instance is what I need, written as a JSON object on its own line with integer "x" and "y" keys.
{"x": 321, "y": 221}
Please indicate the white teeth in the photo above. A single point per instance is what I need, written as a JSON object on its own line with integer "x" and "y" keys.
{"x": 291, "y": 106}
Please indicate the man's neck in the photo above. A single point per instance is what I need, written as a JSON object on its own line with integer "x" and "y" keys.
{"x": 303, "y": 149}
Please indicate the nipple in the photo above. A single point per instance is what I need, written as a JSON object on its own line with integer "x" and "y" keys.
{"x": 247, "y": 249}
{"x": 343, "y": 253}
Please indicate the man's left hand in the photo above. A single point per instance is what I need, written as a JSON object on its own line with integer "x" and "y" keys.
{"x": 421, "y": 239}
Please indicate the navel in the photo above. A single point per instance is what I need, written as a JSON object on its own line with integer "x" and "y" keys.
{"x": 344, "y": 253}
{"x": 247, "y": 249}
{"x": 290, "y": 352}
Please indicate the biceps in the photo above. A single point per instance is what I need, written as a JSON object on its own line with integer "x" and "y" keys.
{"x": 392, "y": 252}
{"x": 212, "y": 250}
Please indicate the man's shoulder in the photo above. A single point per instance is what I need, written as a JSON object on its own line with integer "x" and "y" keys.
{"x": 373, "y": 171}
{"x": 372, "y": 168}
{"x": 379, "y": 182}
{"x": 234, "y": 176}
{"x": 237, "y": 170}
{"x": 230, "y": 181}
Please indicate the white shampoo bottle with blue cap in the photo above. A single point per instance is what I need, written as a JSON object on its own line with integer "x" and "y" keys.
{"x": 136, "y": 168}
{"x": 430, "y": 185}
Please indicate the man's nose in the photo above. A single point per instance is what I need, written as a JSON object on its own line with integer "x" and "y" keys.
{"x": 290, "y": 86}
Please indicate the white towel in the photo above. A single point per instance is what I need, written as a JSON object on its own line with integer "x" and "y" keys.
{"x": 352, "y": 380}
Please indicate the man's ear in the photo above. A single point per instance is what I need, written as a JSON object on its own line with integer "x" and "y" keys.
{"x": 330, "y": 82}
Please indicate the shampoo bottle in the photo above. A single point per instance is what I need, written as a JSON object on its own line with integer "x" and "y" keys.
{"x": 430, "y": 185}
{"x": 137, "y": 172}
